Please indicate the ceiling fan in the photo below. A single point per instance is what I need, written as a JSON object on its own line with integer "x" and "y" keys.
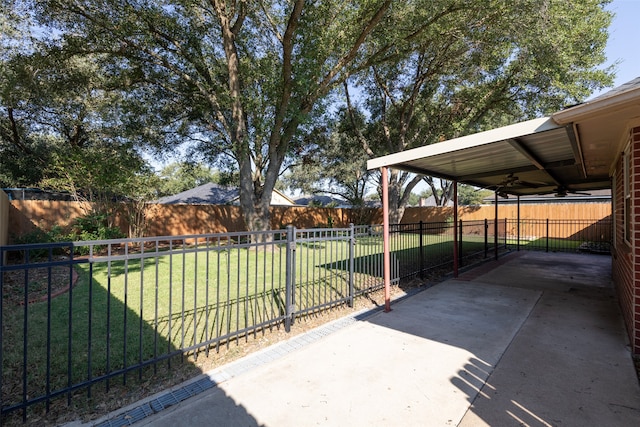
{"x": 511, "y": 181}
{"x": 562, "y": 191}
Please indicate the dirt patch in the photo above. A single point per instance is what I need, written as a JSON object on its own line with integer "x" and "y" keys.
{"x": 40, "y": 281}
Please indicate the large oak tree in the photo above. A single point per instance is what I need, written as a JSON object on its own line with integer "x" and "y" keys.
{"x": 240, "y": 79}
{"x": 473, "y": 66}
{"x": 243, "y": 80}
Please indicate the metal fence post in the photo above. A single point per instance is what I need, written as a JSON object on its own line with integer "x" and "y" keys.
{"x": 518, "y": 242}
{"x": 547, "y": 234}
{"x": 460, "y": 244}
{"x": 421, "y": 250}
{"x": 486, "y": 238}
{"x": 352, "y": 244}
{"x": 506, "y": 224}
{"x": 289, "y": 277}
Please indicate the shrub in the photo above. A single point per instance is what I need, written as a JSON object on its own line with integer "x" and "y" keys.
{"x": 40, "y": 236}
{"x": 94, "y": 226}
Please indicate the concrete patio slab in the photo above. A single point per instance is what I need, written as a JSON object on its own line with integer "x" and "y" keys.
{"x": 569, "y": 365}
{"x": 495, "y": 350}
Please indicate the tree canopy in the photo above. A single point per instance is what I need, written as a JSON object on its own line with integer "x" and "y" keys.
{"x": 248, "y": 84}
{"x": 470, "y": 67}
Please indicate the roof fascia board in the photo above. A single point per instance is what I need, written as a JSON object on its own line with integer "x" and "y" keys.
{"x": 598, "y": 106}
{"x": 465, "y": 142}
{"x": 622, "y": 144}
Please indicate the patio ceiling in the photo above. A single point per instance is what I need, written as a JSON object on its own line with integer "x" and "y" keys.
{"x": 572, "y": 151}
{"x": 531, "y": 157}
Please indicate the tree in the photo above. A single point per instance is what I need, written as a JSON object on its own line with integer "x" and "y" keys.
{"x": 468, "y": 195}
{"x": 333, "y": 163}
{"x": 241, "y": 79}
{"x": 473, "y": 66}
{"x": 60, "y": 128}
{"x": 181, "y": 176}
{"x": 244, "y": 80}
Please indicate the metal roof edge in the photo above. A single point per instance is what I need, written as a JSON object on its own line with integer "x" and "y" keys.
{"x": 469, "y": 141}
{"x": 597, "y": 106}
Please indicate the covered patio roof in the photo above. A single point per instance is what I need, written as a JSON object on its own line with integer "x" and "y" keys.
{"x": 574, "y": 150}
{"x": 571, "y": 151}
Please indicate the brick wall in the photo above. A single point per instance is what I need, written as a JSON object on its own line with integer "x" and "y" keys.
{"x": 626, "y": 256}
{"x": 635, "y": 231}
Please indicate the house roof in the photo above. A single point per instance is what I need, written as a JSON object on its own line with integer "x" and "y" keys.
{"x": 319, "y": 199}
{"x": 209, "y": 193}
{"x": 431, "y": 201}
{"x": 573, "y": 150}
{"x": 215, "y": 194}
{"x": 28, "y": 193}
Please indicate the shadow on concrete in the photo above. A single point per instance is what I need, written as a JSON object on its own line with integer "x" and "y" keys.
{"x": 546, "y": 339}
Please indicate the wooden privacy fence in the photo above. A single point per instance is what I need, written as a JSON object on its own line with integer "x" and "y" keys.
{"x": 553, "y": 211}
{"x": 25, "y": 216}
{"x": 173, "y": 220}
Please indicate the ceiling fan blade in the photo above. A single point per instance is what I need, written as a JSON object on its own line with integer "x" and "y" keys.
{"x": 530, "y": 184}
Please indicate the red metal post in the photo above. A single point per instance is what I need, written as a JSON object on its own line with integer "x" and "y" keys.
{"x": 385, "y": 240}
{"x": 455, "y": 229}
{"x": 518, "y": 244}
{"x": 495, "y": 228}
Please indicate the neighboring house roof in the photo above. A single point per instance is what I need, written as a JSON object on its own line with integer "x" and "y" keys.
{"x": 215, "y": 194}
{"x": 431, "y": 201}
{"x": 206, "y": 194}
{"x": 36, "y": 194}
{"x": 320, "y": 200}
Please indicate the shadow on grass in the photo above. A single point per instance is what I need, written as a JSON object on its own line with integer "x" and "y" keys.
{"x": 406, "y": 262}
{"x": 81, "y": 353}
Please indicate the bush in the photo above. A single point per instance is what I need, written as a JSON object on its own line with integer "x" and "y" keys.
{"x": 40, "y": 236}
{"x": 94, "y": 226}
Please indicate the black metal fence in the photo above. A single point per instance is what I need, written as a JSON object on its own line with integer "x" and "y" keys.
{"x": 77, "y": 314}
{"x": 560, "y": 235}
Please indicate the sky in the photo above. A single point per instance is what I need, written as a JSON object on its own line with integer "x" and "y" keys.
{"x": 624, "y": 41}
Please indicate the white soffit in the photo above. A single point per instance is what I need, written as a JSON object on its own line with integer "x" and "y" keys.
{"x": 465, "y": 142}
{"x": 533, "y": 157}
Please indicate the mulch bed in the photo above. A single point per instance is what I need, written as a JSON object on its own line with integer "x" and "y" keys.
{"x": 38, "y": 284}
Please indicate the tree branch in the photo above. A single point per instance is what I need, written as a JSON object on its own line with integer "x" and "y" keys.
{"x": 325, "y": 83}
{"x": 359, "y": 135}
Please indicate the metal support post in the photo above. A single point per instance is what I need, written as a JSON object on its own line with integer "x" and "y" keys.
{"x": 289, "y": 278}
{"x": 421, "y": 250}
{"x": 455, "y": 226}
{"x": 352, "y": 244}
{"x": 460, "y": 243}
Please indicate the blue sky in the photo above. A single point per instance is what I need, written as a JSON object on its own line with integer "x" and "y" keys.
{"x": 624, "y": 41}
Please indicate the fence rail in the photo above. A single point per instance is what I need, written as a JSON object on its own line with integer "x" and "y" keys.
{"x": 76, "y": 314}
